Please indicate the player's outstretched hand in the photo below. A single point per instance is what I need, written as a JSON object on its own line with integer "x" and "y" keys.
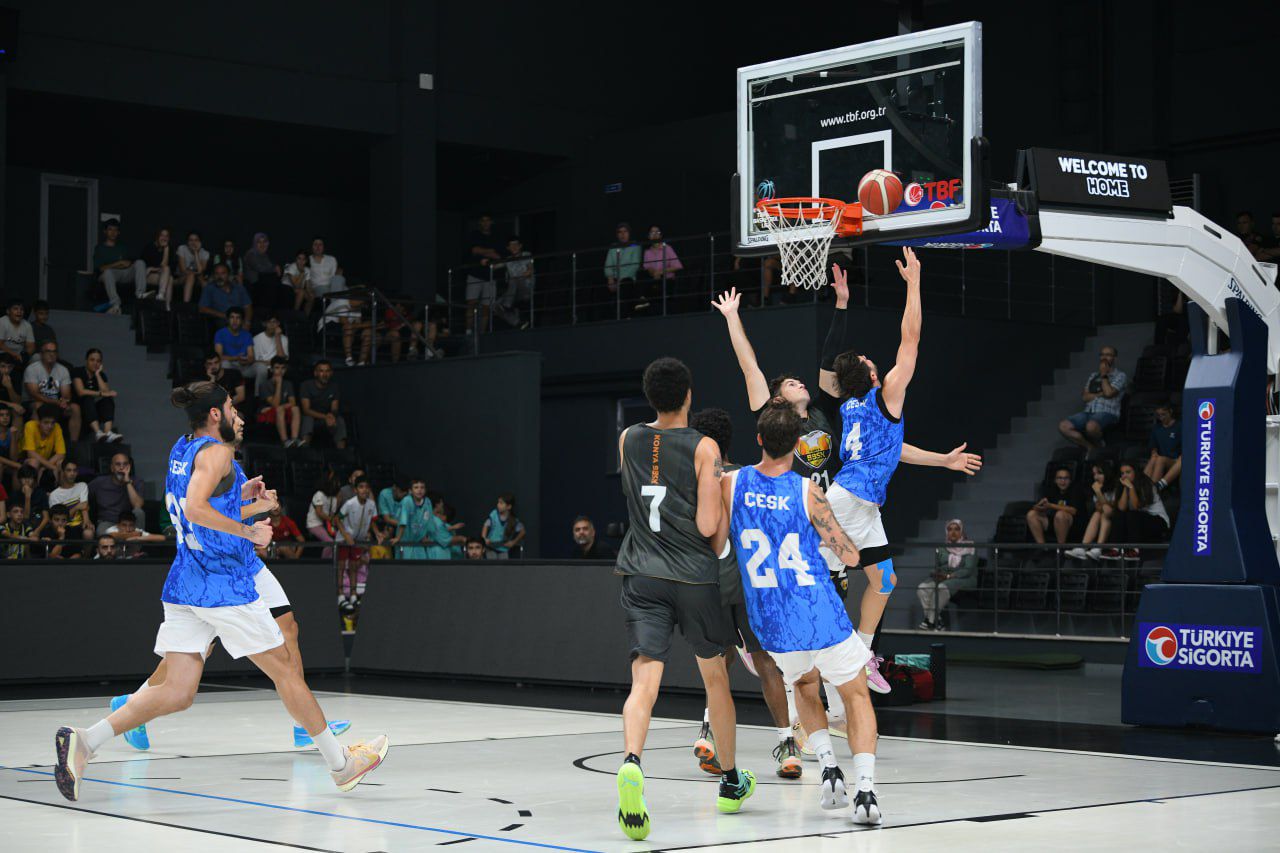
{"x": 727, "y": 302}
{"x": 260, "y": 534}
{"x": 840, "y": 283}
{"x": 968, "y": 463}
{"x": 910, "y": 271}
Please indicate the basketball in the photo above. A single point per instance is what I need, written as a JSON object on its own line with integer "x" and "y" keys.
{"x": 880, "y": 192}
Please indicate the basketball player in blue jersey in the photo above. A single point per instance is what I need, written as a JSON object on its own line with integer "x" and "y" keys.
{"x": 778, "y": 522}
{"x": 271, "y": 593}
{"x": 210, "y": 593}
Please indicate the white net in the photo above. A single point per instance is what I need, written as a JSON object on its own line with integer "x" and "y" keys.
{"x": 802, "y": 231}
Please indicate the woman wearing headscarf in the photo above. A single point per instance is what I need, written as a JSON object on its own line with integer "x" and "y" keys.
{"x": 955, "y": 568}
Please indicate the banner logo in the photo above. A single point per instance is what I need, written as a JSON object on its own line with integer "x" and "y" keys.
{"x": 1208, "y": 648}
{"x": 1204, "y": 479}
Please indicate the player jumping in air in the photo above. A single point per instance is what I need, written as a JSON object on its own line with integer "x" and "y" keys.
{"x": 670, "y": 578}
{"x": 210, "y": 592}
{"x": 779, "y": 520}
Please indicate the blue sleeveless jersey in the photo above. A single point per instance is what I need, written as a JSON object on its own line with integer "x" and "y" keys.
{"x": 251, "y": 556}
{"x": 871, "y": 447}
{"x": 791, "y": 602}
{"x": 211, "y": 568}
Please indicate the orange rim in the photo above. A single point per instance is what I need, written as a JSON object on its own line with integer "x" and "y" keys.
{"x": 816, "y": 207}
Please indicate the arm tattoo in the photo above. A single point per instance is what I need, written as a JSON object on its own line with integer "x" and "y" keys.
{"x": 717, "y": 468}
{"x": 830, "y": 533}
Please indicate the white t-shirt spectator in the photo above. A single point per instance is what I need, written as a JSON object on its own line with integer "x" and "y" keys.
{"x": 16, "y": 337}
{"x": 291, "y": 269}
{"x": 70, "y": 498}
{"x": 264, "y": 347}
{"x": 325, "y": 502}
{"x": 322, "y": 272}
{"x": 49, "y": 382}
{"x": 1156, "y": 507}
{"x": 115, "y": 528}
{"x": 356, "y": 517}
{"x": 187, "y": 260}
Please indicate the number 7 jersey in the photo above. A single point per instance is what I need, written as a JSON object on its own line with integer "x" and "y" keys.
{"x": 791, "y": 603}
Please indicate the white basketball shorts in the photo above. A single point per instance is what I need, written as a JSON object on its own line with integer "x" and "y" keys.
{"x": 838, "y": 664}
{"x": 244, "y": 629}
{"x": 859, "y": 519}
{"x": 270, "y": 592}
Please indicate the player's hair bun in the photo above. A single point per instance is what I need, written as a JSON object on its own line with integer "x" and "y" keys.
{"x": 182, "y": 397}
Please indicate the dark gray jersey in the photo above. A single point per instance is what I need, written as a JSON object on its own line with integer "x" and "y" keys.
{"x": 660, "y": 484}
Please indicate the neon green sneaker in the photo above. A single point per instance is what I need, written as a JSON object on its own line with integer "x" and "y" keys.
{"x": 633, "y": 815}
{"x": 733, "y": 796}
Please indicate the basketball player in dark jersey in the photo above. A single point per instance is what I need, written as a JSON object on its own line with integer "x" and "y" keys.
{"x": 670, "y": 578}
{"x": 715, "y": 424}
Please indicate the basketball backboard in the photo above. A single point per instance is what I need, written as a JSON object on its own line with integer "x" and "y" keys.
{"x": 813, "y": 125}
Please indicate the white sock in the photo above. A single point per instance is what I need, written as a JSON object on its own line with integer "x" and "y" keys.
{"x": 792, "y": 714}
{"x": 835, "y": 705}
{"x": 783, "y": 734}
{"x": 706, "y": 715}
{"x": 334, "y": 753}
{"x": 867, "y": 639}
{"x": 864, "y": 770}
{"x": 98, "y": 734}
{"x": 821, "y": 743}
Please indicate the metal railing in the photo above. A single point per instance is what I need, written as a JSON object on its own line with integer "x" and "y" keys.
{"x": 573, "y": 287}
{"x": 387, "y": 320}
{"x": 1028, "y": 588}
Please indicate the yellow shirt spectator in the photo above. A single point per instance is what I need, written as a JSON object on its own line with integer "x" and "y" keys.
{"x": 46, "y": 445}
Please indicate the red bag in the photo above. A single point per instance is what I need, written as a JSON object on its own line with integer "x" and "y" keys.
{"x": 921, "y": 683}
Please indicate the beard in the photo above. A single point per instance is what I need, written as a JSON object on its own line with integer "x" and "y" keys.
{"x": 226, "y": 432}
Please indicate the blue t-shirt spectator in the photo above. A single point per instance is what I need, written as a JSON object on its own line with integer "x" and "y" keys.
{"x": 233, "y": 343}
{"x": 223, "y": 300}
{"x": 1167, "y": 440}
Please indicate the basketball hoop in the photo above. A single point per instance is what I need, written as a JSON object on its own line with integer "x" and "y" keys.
{"x": 803, "y": 228}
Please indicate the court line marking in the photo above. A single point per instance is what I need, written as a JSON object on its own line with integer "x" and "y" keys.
{"x": 168, "y": 825}
{"x": 886, "y": 827}
{"x": 296, "y": 810}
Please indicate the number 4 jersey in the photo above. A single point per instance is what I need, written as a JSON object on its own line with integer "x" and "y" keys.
{"x": 791, "y": 602}
{"x": 871, "y": 449}
{"x": 660, "y": 484}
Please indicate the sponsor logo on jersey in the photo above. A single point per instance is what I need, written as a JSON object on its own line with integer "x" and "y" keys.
{"x": 1209, "y": 648}
{"x": 814, "y": 448}
{"x": 1204, "y": 479}
{"x": 177, "y": 466}
{"x": 759, "y": 500}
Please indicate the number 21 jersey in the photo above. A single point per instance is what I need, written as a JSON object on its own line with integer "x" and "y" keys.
{"x": 791, "y": 603}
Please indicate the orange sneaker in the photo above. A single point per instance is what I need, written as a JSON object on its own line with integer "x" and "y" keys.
{"x": 704, "y": 748}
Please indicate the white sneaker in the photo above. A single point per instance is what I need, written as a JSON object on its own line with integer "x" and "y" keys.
{"x": 866, "y": 809}
{"x": 1094, "y": 553}
{"x": 113, "y": 437}
{"x": 1076, "y": 553}
{"x": 834, "y": 795}
{"x": 362, "y": 758}
{"x": 73, "y": 754}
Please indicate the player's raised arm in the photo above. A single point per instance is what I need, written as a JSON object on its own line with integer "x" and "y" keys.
{"x": 835, "y": 343}
{"x": 211, "y": 464}
{"x": 757, "y": 386}
{"x": 957, "y": 460}
{"x": 709, "y": 468}
{"x": 895, "y": 384}
{"x": 823, "y": 521}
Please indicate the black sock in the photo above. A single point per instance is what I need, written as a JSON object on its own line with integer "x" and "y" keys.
{"x": 730, "y": 777}
{"x": 632, "y": 758}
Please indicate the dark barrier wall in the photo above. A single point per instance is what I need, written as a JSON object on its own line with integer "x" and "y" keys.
{"x": 974, "y": 376}
{"x": 469, "y": 426}
{"x": 91, "y": 620}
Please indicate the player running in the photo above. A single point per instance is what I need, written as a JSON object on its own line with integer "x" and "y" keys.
{"x": 779, "y": 520}
{"x": 670, "y": 480}
{"x": 210, "y": 593}
{"x": 715, "y": 424}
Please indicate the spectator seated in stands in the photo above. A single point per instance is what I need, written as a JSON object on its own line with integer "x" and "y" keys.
{"x": 359, "y": 523}
{"x": 297, "y": 277}
{"x": 230, "y": 257}
{"x": 621, "y": 266}
{"x": 660, "y": 264}
{"x": 1102, "y": 397}
{"x": 278, "y": 403}
{"x": 129, "y": 535}
{"x": 320, "y": 406}
{"x": 234, "y": 343}
{"x": 955, "y": 567}
{"x": 44, "y": 446}
{"x": 1165, "y": 463}
{"x": 48, "y": 383}
{"x": 106, "y": 549}
{"x": 223, "y": 293}
{"x": 1059, "y": 507}
{"x": 29, "y": 495}
{"x": 16, "y": 533}
{"x": 393, "y": 329}
{"x": 348, "y": 490}
{"x": 58, "y": 539}
{"x": 161, "y": 261}
{"x": 325, "y": 272}
{"x": 518, "y": 266}
{"x": 474, "y": 549}
{"x": 11, "y": 389}
{"x": 1140, "y": 514}
{"x": 193, "y": 265}
{"x": 586, "y": 545}
{"x": 263, "y": 277}
{"x": 230, "y": 380}
{"x": 267, "y": 344}
{"x": 10, "y": 448}
{"x": 117, "y": 494}
{"x": 502, "y": 530}
{"x": 1244, "y": 230}
{"x": 1102, "y": 499}
{"x": 285, "y": 538}
{"x": 484, "y": 249}
{"x": 115, "y": 264}
{"x": 95, "y": 397}
{"x": 74, "y": 496}
{"x": 323, "y": 510}
{"x": 40, "y": 323}
{"x": 17, "y": 338}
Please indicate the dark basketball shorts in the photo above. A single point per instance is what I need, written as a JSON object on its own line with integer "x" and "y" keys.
{"x": 655, "y": 607}
{"x": 739, "y": 628}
